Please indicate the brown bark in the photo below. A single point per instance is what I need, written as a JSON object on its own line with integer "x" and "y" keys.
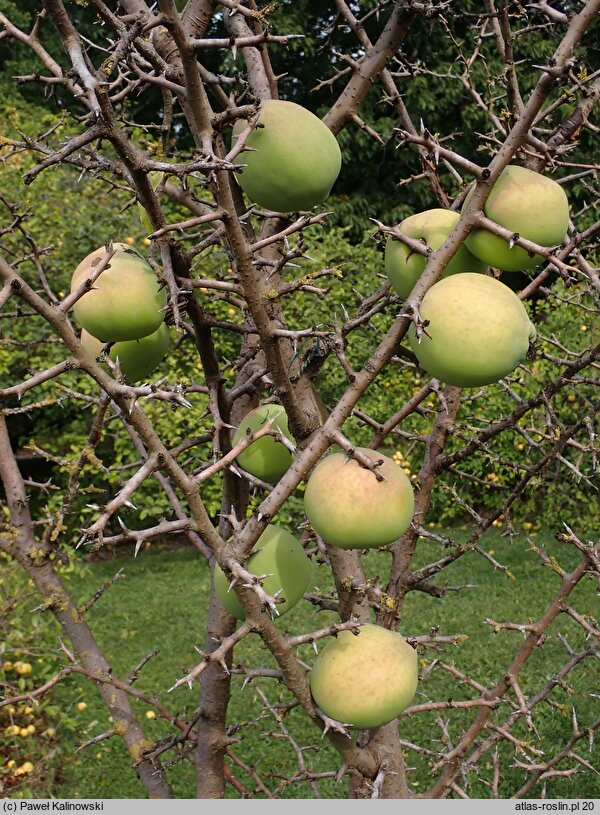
{"x": 404, "y": 550}
{"x": 370, "y": 67}
{"x": 215, "y": 690}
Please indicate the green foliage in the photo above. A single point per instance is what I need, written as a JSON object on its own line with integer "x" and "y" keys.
{"x": 565, "y": 488}
{"x": 31, "y": 348}
{"x": 69, "y": 214}
{"x": 490, "y": 472}
{"x": 31, "y": 730}
{"x": 164, "y": 597}
{"x": 441, "y": 103}
{"x": 52, "y": 421}
{"x": 308, "y": 69}
{"x": 358, "y": 272}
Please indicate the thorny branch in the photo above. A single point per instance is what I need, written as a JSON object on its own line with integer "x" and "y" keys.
{"x": 161, "y": 47}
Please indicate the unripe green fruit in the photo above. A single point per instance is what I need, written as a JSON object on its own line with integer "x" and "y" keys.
{"x": 348, "y": 507}
{"x": 365, "y": 679}
{"x": 279, "y": 554}
{"x": 296, "y": 162}
{"x": 137, "y": 358}
{"x": 478, "y": 329}
{"x": 267, "y": 458}
{"x": 404, "y": 267}
{"x": 527, "y": 203}
{"x": 125, "y": 303}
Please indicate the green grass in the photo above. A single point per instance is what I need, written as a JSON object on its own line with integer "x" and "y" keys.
{"x": 162, "y": 603}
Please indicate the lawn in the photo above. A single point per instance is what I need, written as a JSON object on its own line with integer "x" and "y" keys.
{"x": 161, "y": 603}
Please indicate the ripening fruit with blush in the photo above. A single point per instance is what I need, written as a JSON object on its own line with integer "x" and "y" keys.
{"x": 278, "y": 554}
{"x": 477, "y": 331}
{"x": 403, "y": 266}
{"x": 294, "y": 161}
{"x": 527, "y": 203}
{"x": 349, "y": 507}
{"x": 137, "y": 358}
{"x": 267, "y": 458}
{"x": 365, "y": 679}
{"x": 126, "y": 302}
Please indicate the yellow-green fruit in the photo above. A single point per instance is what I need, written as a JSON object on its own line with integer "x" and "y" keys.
{"x": 403, "y": 266}
{"x": 478, "y": 329}
{"x": 137, "y": 358}
{"x": 278, "y": 554}
{"x": 365, "y": 679}
{"x": 125, "y": 302}
{"x": 350, "y": 508}
{"x": 527, "y": 203}
{"x": 296, "y": 160}
{"x": 267, "y": 458}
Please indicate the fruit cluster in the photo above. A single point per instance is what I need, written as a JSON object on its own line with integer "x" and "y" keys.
{"x": 371, "y": 507}
{"x": 122, "y": 310}
{"x": 476, "y": 331}
{"x": 475, "y": 328}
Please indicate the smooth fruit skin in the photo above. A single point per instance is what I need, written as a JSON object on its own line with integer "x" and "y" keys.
{"x": 126, "y": 303}
{"x": 279, "y": 554}
{"x": 137, "y": 358}
{"x": 479, "y": 331}
{"x": 267, "y": 458}
{"x": 528, "y": 203}
{"x": 349, "y": 508}
{"x": 296, "y": 162}
{"x": 365, "y": 679}
{"x": 403, "y": 267}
